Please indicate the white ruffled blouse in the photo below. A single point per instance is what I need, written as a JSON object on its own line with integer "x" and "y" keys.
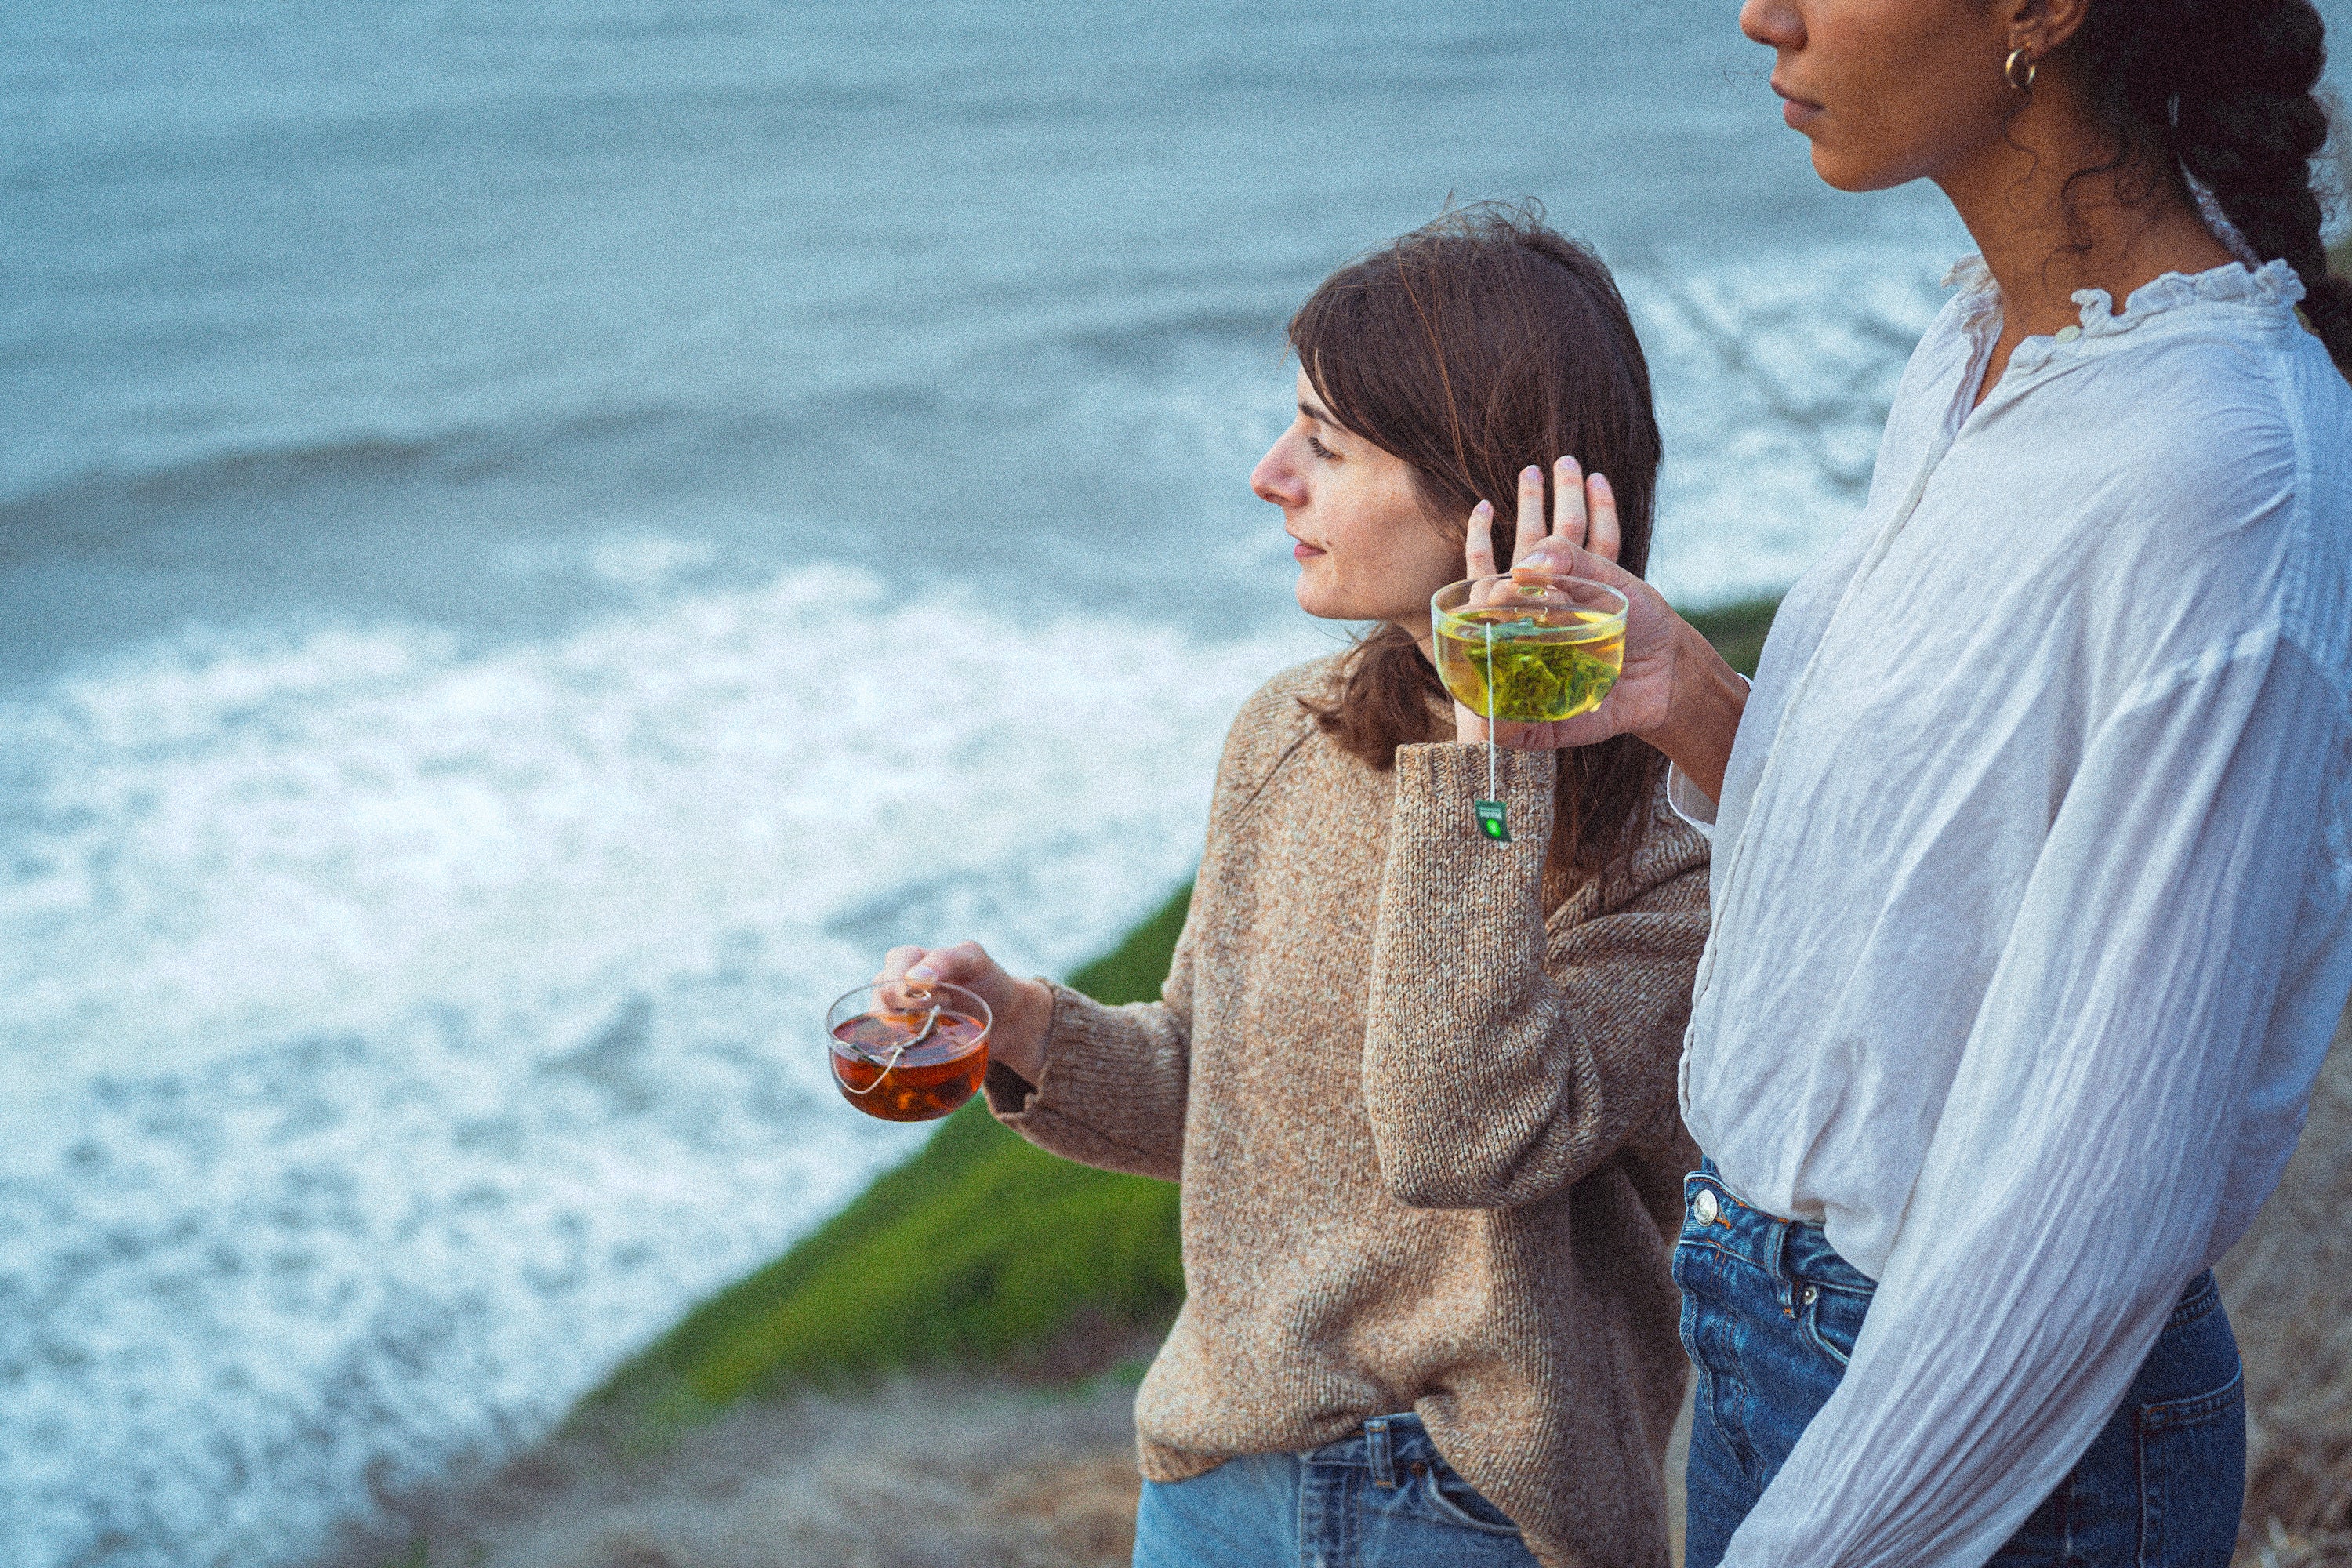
{"x": 2030, "y": 885}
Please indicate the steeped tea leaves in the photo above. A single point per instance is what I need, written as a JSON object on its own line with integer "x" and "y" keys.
{"x": 1536, "y": 671}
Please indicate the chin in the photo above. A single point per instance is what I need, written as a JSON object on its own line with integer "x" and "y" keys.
{"x": 1841, "y": 176}
{"x": 1318, "y": 600}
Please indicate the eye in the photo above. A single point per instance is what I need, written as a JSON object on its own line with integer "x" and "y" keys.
{"x": 1320, "y": 450}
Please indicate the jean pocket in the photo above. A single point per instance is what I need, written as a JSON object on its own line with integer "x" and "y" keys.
{"x": 2192, "y": 1477}
{"x": 1456, "y": 1501}
{"x": 1829, "y": 1318}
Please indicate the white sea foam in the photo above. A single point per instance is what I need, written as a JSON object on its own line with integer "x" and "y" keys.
{"x": 397, "y": 1032}
{"x": 1772, "y": 379}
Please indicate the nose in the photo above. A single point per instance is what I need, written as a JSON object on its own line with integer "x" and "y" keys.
{"x": 1776, "y": 23}
{"x": 1275, "y": 478}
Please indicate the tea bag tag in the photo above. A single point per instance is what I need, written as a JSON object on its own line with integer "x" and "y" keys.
{"x": 1491, "y": 822}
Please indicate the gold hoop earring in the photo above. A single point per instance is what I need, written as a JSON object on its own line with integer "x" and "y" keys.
{"x": 2032, "y": 69}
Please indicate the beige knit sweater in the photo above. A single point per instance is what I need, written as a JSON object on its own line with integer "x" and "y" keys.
{"x": 1427, "y": 1138}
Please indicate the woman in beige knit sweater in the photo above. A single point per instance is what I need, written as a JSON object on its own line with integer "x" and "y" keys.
{"x": 1418, "y": 1086}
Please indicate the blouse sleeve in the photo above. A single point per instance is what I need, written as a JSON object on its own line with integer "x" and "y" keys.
{"x": 2070, "y": 1186}
{"x": 1504, "y": 1060}
{"x": 1690, "y": 803}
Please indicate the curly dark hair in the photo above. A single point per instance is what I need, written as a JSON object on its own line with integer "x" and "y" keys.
{"x": 2225, "y": 88}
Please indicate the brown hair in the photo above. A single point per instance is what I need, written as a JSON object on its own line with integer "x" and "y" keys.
{"x": 1472, "y": 348}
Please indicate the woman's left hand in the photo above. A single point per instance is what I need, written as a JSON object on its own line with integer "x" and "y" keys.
{"x": 1584, "y": 513}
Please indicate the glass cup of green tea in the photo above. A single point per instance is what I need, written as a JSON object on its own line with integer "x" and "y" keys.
{"x": 1531, "y": 650}
{"x": 907, "y": 1052}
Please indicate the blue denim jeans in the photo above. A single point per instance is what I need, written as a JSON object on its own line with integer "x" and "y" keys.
{"x": 1770, "y": 1315}
{"x": 1382, "y": 1498}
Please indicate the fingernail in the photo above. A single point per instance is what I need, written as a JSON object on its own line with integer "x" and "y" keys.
{"x": 922, "y": 971}
{"x": 1531, "y": 472}
{"x": 1484, "y": 508}
{"x": 1568, "y": 465}
{"x": 1601, "y": 482}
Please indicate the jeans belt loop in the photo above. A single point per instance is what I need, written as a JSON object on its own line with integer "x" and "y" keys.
{"x": 1781, "y": 1269}
{"x": 1376, "y": 1438}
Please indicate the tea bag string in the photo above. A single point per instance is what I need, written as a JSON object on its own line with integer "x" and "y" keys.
{"x": 930, "y": 1022}
{"x": 1491, "y": 794}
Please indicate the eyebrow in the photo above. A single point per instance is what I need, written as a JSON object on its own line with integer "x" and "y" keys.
{"x": 1319, "y": 415}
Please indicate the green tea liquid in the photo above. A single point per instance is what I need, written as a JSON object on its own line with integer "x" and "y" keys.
{"x": 1552, "y": 667}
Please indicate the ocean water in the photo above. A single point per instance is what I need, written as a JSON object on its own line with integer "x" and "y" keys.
{"x": 536, "y": 539}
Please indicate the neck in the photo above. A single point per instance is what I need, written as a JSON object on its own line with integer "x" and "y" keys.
{"x": 1423, "y": 636}
{"x": 2044, "y": 240}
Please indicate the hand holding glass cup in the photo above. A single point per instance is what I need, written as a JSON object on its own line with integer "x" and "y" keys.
{"x": 1560, "y": 620}
{"x": 985, "y": 1014}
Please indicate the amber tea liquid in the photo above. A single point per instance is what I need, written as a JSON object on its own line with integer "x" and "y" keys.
{"x": 1551, "y": 665}
{"x": 930, "y": 1077}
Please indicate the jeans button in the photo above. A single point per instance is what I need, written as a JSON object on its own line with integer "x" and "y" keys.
{"x": 1705, "y": 1206}
{"x": 1812, "y": 1293}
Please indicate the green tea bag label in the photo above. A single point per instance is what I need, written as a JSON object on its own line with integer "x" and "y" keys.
{"x": 1490, "y": 820}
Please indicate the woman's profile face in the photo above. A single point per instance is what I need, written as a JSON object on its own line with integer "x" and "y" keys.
{"x": 1366, "y": 548}
{"x": 1887, "y": 90}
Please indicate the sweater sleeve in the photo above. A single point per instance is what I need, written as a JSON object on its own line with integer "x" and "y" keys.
{"x": 1115, "y": 1077}
{"x": 1117, "y": 1080}
{"x": 1503, "y": 1059}
{"x": 2073, "y": 1182}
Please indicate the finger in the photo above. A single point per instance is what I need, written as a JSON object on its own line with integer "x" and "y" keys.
{"x": 1588, "y": 729}
{"x": 1520, "y": 737}
{"x": 1568, "y": 500}
{"x": 1557, "y": 558}
{"x": 896, "y": 962}
{"x": 957, "y": 965}
{"x": 1479, "y": 545}
{"x": 1604, "y": 537}
{"x": 1531, "y": 521}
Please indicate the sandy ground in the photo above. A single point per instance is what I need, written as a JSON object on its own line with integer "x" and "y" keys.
{"x": 913, "y": 1475}
{"x": 982, "y": 1474}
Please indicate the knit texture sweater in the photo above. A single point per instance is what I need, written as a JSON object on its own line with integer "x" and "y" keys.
{"x": 1426, "y": 1132}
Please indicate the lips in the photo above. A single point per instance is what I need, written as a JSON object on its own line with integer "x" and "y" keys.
{"x": 1303, "y": 550}
{"x": 1794, "y": 109}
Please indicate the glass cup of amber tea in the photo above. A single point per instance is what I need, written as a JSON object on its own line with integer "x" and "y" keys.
{"x": 1531, "y": 650}
{"x": 908, "y": 1052}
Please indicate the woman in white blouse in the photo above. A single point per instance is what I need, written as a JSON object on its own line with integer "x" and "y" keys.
{"x": 2034, "y": 838}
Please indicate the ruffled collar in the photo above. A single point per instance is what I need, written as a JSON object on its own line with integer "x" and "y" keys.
{"x": 2271, "y": 285}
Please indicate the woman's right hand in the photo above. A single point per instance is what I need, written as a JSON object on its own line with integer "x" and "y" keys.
{"x": 1021, "y": 1011}
{"x": 1676, "y": 691}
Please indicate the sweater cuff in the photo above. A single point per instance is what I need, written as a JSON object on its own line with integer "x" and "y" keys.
{"x": 1008, "y": 1093}
{"x": 1438, "y": 782}
{"x": 1072, "y": 1075}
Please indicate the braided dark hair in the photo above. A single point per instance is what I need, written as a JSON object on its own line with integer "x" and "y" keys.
{"x": 2224, "y": 88}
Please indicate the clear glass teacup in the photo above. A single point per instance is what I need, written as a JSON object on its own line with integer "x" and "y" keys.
{"x": 907, "y": 1052}
{"x": 1531, "y": 650}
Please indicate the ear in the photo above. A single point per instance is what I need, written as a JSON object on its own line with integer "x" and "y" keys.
{"x": 2041, "y": 27}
